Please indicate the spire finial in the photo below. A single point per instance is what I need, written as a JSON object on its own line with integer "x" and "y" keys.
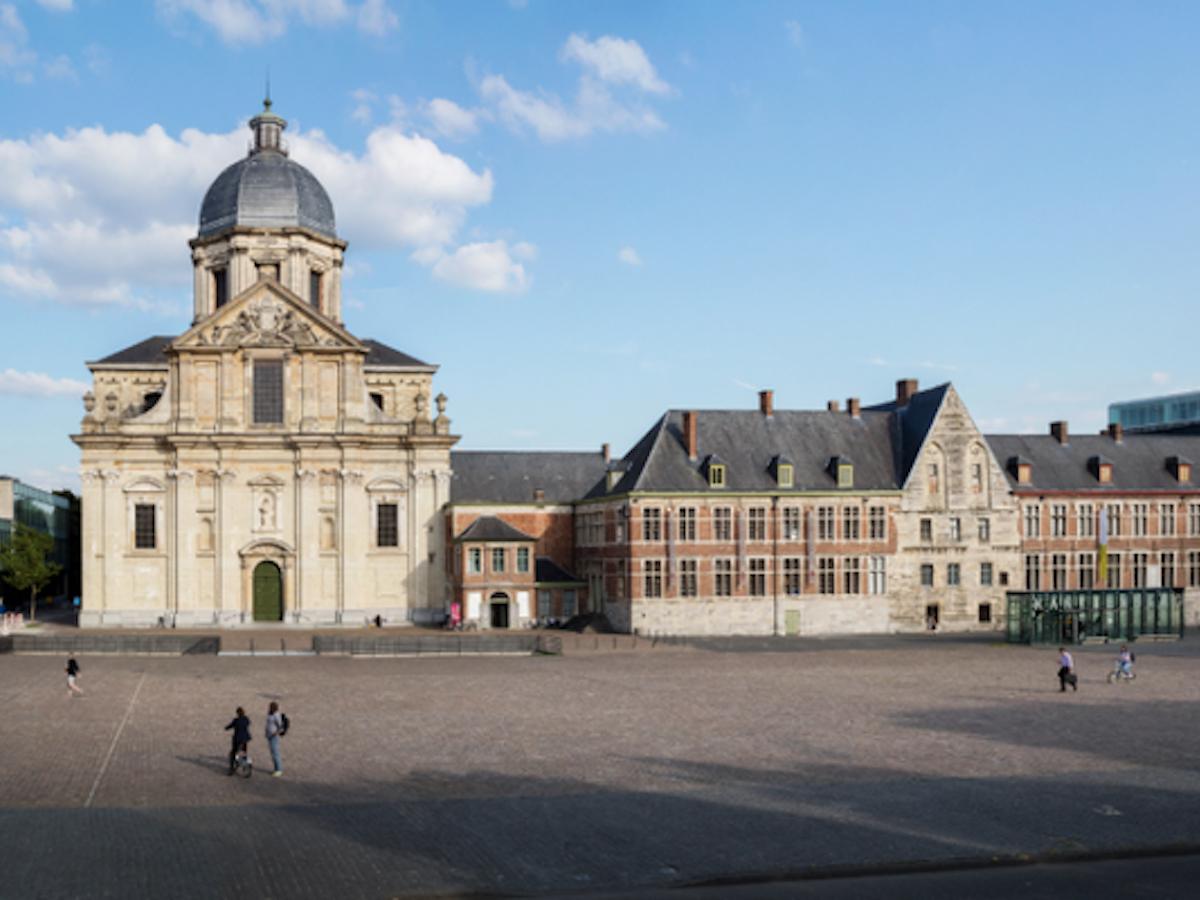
{"x": 267, "y": 98}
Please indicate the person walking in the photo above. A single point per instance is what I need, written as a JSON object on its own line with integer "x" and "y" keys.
{"x": 73, "y": 670}
{"x": 241, "y": 736}
{"x": 274, "y": 730}
{"x": 1066, "y": 671}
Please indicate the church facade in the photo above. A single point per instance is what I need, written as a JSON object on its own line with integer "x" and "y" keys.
{"x": 266, "y": 464}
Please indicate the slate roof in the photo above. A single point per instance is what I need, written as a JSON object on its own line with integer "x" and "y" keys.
{"x": 146, "y": 352}
{"x": 1139, "y": 461}
{"x": 912, "y": 424}
{"x": 150, "y": 352}
{"x": 490, "y": 528}
{"x": 511, "y": 476}
{"x": 267, "y": 190}
{"x": 547, "y": 570}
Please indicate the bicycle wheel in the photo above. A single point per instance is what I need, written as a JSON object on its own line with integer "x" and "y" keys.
{"x": 245, "y": 767}
{"x": 1111, "y": 676}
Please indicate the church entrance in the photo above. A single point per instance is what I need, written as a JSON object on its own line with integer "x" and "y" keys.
{"x": 268, "y": 593}
{"x": 498, "y": 607}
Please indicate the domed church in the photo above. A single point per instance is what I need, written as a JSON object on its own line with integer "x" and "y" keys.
{"x": 266, "y": 465}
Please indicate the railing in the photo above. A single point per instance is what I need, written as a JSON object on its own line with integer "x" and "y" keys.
{"x": 128, "y": 644}
{"x": 428, "y": 645}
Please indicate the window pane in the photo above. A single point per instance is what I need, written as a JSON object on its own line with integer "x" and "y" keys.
{"x": 143, "y": 527}
{"x": 268, "y": 391}
{"x": 386, "y": 521}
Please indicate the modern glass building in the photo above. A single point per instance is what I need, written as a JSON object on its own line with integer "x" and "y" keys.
{"x": 1068, "y": 617}
{"x": 1156, "y": 413}
{"x": 54, "y": 514}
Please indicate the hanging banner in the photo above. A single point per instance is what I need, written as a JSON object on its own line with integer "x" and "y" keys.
{"x": 1102, "y": 563}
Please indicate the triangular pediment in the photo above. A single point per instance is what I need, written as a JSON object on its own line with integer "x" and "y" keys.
{"x": 267, "y": 314}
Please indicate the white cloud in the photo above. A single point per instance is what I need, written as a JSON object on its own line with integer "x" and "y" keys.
{"x": 795, "y": 33}
{"x": 616, "y": 61}
{"x": 14, "y": 52}
{"x": 126, "y": 204}
{"x": 257, "y": 21}
{"x": 363, "y": 102}
{"x": 450, "y": 119}
{"x": 57, "y": 5}
{"x": 61, "y": 67}
{"x": 483, "y": 266}
{"x": 37, "y": 384}
{"x": 629, "y": 256}
{"x": 1160, "y": 377}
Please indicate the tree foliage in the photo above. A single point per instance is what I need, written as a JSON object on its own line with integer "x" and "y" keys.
{"x": 25, "y": 562}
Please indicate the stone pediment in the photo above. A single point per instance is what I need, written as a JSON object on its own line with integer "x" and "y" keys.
{"x": 267, "y": 315}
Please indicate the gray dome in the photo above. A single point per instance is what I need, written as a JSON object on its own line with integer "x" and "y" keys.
{"x": 266, "y": 189}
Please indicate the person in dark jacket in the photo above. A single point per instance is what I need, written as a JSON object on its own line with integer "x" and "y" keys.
{"x": 241, "y": 736}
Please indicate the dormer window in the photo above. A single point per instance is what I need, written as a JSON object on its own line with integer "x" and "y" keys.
{"x": 1180, "y": 468}
{"x": 1102, "y": 469}
{"x": 716, "y": 472}
{"x": 842, "y": 469}
{"x": 787, "y": 476}
{"x": 1021, "y": 469}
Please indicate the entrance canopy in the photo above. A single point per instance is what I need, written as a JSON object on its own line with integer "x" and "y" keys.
{"x": 1067, "y": 617}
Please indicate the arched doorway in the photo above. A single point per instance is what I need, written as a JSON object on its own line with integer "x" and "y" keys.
{"x": 268, "y": 592}
{"x": 498, "y": 610}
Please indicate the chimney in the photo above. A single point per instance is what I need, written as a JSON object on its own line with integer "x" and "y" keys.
{"x": 853, "y": 406}
{"x": 606, "y": 452}
{"x": 766, "y": 403}
{"x": 689, "y": 433}
{"x": 1058, "y": 430}
{"x": 832, "y": 406}
{"x": 905, "y": 388}
{"x": 1116, "y": 432}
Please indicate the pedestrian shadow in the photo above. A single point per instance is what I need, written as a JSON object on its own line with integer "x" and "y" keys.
{"x": 218, "y": 764}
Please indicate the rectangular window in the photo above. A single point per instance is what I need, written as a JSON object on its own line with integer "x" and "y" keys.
{"x": 475, "y": 560}
{"x": 1087, "y": 571}
{"x": 716, "y": 475}
{"x": 851, "y": 575}
{"x": 687, "y": 578}
{"x": 722, "y": 524}
{"x": 568, "y": 604}
{"x": 687, "y": 523}
{"x": 1193, "y": 519}
{"x": 758, "y": 524}
{"x": 314, "y": 289}
{"x": 1085, "y": 516}
{"x": 1166, "y": 562}
{"x": 926, "y": 575}
{"x": 651, "y": 524}
{"x": 791, "y": 576}
{"x": 1114, "y": 570}
{"x": 826, "y": 576}
{"x": 387, "y": 525}
{"x": 985, "y": 530}
{"x": 791, "y": 523}
{"x": 1166, "y": 519}
{"x": 956, "y": 529}
{"x": 985, "y": 574}
{"x": 758, "y": 577}
{"x": 145, "y": 535}
{"x": 1139, "y": 569}
{"x": 268, "y": 391}
{"x": 522, "y": 559}
{"x": 1033, "y": 572}
{"x": 723, "y": 577}
{"x": 1114, "y": 520}
{"x": 786, "y": 478}
{"x": 1058, "y": 572}
{"x": 543, "y": 602}
{"x": 1033, "y": 521}
{"x": 877, "y": 516}
{"x": 652, "y": 578}
{"x": 927, "y": 531}
{"x": 976, "y": 478}
{"x": 877, "y": 575}
{"x": 934, "y": 483}
{"x": 1140, "y": 514}
{"x": 850, "y": 523}
{"x": 985, "y": 613}
{"x": 497, "y": 559}
{"x": 825, "y": 523}
{"x": 1193, "y": 564}
{"x": 1058, "y": 520}
{"x": 953, "y": 575}
{"x": 220, "y": 287}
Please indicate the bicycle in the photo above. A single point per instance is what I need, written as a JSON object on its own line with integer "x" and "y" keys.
{"x": 1120, "y": 673}
{"x": 242, "y": 764}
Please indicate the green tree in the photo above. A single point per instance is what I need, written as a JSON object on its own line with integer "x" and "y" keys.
{"x": 25, "y": 563}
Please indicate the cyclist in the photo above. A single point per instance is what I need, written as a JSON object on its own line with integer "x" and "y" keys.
{"x": 1124, "y": 662}
{"x": 241, "y": 736}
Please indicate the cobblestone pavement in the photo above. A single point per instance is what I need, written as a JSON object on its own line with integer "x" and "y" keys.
{"x": 592, "y": 772}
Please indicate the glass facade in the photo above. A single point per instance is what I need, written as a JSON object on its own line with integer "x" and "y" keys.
{"x": 51, "y": 514}
{"x": 1068, "y": 617}
{"x": 1156, "y": 412}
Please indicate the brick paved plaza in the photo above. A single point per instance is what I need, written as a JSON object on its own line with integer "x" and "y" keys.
{"x": 593, "y": 771}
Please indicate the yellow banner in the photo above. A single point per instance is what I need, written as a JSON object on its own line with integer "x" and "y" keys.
{"x": 1102, "y": 573}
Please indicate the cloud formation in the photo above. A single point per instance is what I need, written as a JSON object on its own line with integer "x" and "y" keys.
{"x": 15, "y": 55}
{"x": 257, "y": 21}
{"x": 38, "y": 384}
{"x": 616, "y": 61}
{"x": 491, "y": 266}
{"x": 629, "y": 256}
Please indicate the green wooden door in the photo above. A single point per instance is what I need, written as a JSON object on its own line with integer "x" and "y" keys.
{"x": 268, "y": 593}
{"x": 791, "y": 621}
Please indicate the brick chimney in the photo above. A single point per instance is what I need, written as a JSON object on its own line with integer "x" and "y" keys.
{"x": 832, "y": 406}
{"x": 1058, "y": 430}
{"x": 853, "y": 406}
{"x": 606, "y": 452}
{"x": 766, "y": 403}
{"x": 905, "y": 388}
{"x": 1116, "y": 432}
{"x": 689, "y": 433}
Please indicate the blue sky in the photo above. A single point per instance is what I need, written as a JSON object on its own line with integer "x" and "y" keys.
{"x": 588, "y": 213}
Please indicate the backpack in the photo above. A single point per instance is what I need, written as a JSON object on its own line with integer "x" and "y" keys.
{"x": 286, "y": 724}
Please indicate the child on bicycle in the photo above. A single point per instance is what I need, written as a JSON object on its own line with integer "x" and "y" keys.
{"x": 1125, "y": 662}
{"x": 241, "y": 737}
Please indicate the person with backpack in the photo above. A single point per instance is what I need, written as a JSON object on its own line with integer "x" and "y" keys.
{"x": 277, "y": 726}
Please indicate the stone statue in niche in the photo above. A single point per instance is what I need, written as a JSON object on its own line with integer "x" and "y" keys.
{"x": 267, "y": 520}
